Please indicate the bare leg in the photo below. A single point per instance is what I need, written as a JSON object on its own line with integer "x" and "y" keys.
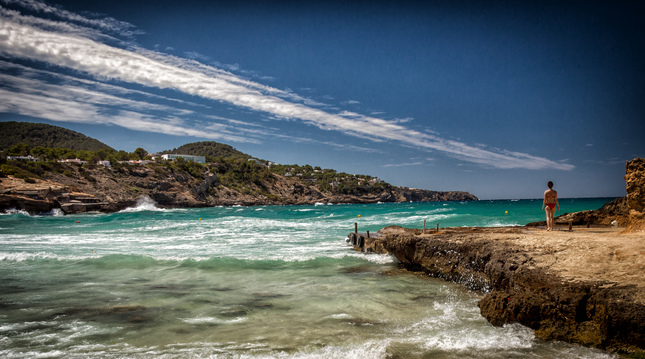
{"x": 549, "y": 218}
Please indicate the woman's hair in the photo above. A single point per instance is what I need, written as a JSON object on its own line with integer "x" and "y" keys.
{"x": 550, "y": 184}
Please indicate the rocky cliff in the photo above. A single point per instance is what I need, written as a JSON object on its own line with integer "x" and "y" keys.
{"x": 540, "y": 279}
{"x": 75, "y": 189}
{"x": 635, "y": 186}
{"x": 584, "y": 286}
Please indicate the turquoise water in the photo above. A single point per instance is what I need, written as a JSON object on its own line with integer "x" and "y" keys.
{"x": 246, "y": 282}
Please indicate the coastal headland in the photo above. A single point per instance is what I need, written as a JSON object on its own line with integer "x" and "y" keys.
{"x": 582, "y": 285}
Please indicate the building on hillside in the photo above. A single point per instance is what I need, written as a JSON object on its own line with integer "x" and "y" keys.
{"x": 172, "y": 157}
{"x": 73, "y": 160}
{"x": 23, "y": 158}
{"x": 138, "y": 162}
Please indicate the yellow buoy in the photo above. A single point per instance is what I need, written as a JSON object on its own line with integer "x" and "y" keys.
{"x": 200, "y": 219}
{"x": 359, "y": 215}
{"x": 506, "y": 212}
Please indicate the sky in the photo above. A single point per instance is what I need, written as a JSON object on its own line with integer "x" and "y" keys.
{"x": 491, "y": 97}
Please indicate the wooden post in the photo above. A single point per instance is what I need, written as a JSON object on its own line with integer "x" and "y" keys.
{"x": 356, "y": 227}
{"x": 437, "y": 227}
{"x": 570, "y": 225}
{"x": 424, "y": 226}
{"x": 368, "y": 234}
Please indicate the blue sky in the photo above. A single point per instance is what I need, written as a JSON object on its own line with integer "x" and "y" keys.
{"x": 495, "y": 98}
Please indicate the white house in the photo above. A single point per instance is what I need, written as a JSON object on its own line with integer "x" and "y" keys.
{"x": 74, "y": 160}
{"x": 172, "y": 157}
{"x": 23, "y": 158}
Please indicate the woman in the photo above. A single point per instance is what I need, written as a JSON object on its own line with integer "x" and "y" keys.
{"x": 550, "y": 205}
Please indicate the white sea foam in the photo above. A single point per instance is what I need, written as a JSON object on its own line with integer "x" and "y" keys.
{"x": 26, "y": 256}
{"x": 144, "y": 203}
{"x": 11, "y": 211}
{"x": 212, "y": 320}
{"x": 118, "y": 267}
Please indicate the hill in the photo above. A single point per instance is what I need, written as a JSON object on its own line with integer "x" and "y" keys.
{"x": 40, "y": 134}
{"x": 210, "y": 149}
{"x": 109, "y": 180}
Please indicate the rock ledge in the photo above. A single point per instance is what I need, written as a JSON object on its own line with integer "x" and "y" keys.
{"x": 585, "y": 286}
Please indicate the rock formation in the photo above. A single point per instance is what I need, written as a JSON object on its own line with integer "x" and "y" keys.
{"x": 585, "y": 287}
{"x": 517, "y": 271}
{"x": 81, "y": 189}
{"x": 635, "y": 186}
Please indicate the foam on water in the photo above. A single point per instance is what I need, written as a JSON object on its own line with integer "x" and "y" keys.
{"x": 144, "y": 203}
{"x": 259, "y": 282}
{"x": 13, "y": 211}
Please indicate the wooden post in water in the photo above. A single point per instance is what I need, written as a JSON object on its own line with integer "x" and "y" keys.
{"x": 368, "y": 234}
{"x": 424, "y": 226}
{"x": 437, "y": 227}
{"x": 356, "y": 227}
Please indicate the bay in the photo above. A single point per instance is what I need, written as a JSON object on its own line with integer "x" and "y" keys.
{"x": 247, "y": 282}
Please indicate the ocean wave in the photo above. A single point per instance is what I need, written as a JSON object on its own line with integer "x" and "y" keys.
{"x": 213, "y": 320}
{"x": 13, "y": 211}
{"x": 229, "y": 263}
{"x": 144, "y": 203}
{"x": 26, "y": 256}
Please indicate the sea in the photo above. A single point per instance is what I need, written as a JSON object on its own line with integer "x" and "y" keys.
{"x": 248, "y": 282}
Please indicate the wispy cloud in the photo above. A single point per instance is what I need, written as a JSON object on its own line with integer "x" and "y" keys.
{"x": 403, "y": 164}
{"x": 76, "y": 43}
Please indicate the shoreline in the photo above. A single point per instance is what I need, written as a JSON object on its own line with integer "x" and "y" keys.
{"x": 585, "y": 286}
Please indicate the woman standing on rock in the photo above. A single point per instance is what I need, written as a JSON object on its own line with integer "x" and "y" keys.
{"x": 550, "y": 205}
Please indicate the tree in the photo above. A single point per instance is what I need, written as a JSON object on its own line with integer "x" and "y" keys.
{"x": 141, "y": 153}
{"x": 20, "y": 149}
{"x": 39, "y": 151}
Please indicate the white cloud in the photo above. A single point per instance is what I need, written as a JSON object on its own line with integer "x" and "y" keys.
{"x": 66, "y": 46}
{"x": 350, "y": 102}
{"x": 403, "y": 164}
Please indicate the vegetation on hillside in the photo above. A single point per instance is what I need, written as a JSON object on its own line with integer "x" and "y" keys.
{"x": 234, "y": 169}
{"x": 48, "y": 136}
{"x": 210, "y": 149}
{"x": 332, "y": 181}
{"x": 245, "y": 175}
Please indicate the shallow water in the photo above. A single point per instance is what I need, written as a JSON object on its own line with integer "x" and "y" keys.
{"x": 246, "y": 282}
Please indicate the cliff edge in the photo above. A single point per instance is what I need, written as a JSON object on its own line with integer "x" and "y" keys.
{"x": 584, "y": 286}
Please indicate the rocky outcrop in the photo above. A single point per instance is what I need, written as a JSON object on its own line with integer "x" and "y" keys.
{"x": 635, "y": 186}
{"x": 520, "y": 289}
{"x": 627, "y": 212}
{"x": 112, "y": 189}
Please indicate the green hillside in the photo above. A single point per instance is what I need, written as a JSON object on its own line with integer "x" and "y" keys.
{"x": 210, "y": 149}
{"x": 40, "y": 134}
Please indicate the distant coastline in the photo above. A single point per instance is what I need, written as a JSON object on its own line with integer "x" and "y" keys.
{"x": 77, "y": 189}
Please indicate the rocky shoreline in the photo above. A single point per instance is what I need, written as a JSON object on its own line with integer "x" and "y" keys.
{"x": 582, "y": 285}
{"x": 80, "y": 189}
{"x": 585, "y": 286}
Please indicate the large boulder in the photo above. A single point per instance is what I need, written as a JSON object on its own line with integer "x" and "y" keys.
{"x": 635, "y": 184}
